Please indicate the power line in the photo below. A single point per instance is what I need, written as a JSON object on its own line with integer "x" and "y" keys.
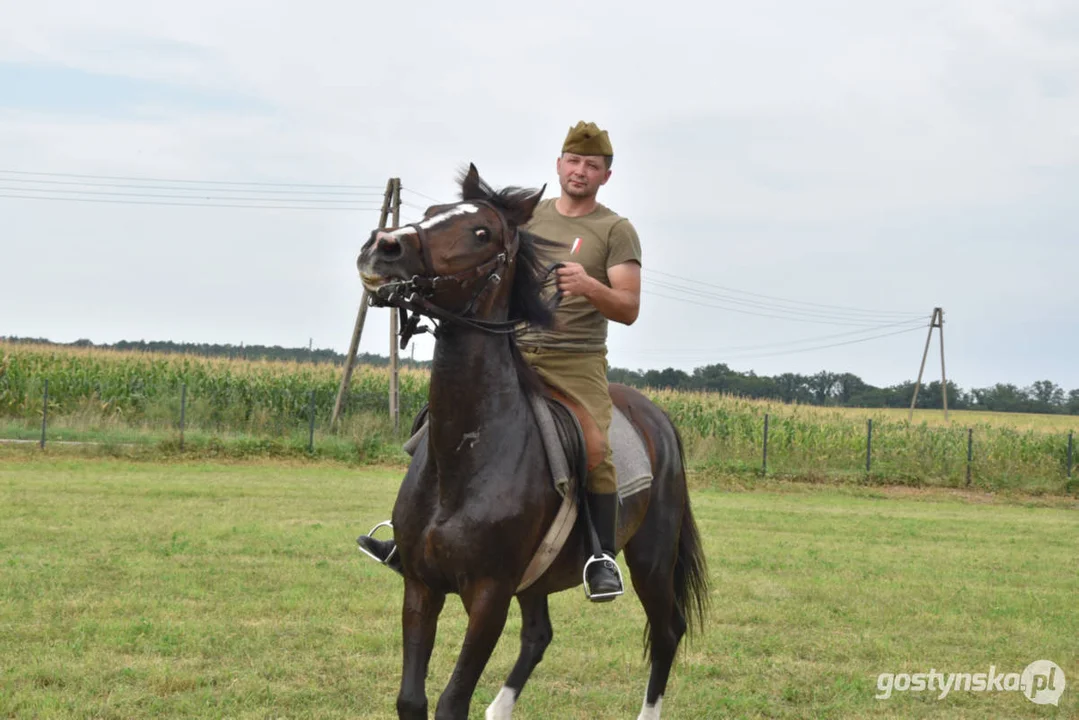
{"x": 786, "y": 311}
{"x": 199, "y": 182}
{"x": 150, "y": 186}
{"x": 181, "y": 204}
{"x": 847, "y": 323}
{"x": 425, "y": 197}
{"x": 781, "y": 343}
{"x": 754, "y": 356}
{"x": 109, "y": 193}
{"x": 825, "y": 347}
{"x": 779, "y": 299}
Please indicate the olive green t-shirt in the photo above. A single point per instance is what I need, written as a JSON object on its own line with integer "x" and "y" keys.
{"x": 598, "y": 241}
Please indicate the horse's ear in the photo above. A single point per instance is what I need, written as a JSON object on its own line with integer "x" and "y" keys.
{"x": 522, "y": 213}
{"x": 471, "y": 184}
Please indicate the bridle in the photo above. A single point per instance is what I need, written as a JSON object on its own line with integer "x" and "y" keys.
{"x": 417, "y": 295}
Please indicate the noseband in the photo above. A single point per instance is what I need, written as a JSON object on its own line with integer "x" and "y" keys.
{"x": 417, "y": 295}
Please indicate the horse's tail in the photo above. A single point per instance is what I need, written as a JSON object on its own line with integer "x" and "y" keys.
{"x": 691, "y": 587}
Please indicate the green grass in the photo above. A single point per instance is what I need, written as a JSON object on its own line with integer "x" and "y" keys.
{"x": 234, "y": 590}
{"x": 361, "y": 438}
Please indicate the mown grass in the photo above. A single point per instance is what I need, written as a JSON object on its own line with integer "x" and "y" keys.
{"x": 260, "y": 408}
{"x": 199, "y": 589}
{"x": 361, "y": 438}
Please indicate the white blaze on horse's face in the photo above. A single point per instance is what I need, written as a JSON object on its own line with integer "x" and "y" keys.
{"x": 462, "y": 209}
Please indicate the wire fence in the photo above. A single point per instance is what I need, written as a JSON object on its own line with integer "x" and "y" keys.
{"x": 783, "y": 445}
{"x": 309, "y": 411}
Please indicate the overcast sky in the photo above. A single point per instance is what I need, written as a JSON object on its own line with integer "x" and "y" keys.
{"x": 860, "y": 161}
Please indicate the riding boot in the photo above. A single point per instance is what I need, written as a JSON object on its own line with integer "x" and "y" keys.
{"x": 603, "y": 578}
{"x": 382, "y": 550}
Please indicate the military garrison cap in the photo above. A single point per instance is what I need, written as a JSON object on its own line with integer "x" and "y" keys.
{"x": 587, "y": 139}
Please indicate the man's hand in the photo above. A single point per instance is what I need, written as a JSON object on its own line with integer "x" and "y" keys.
{"x": 619, "y": 302}
{"x": 573, "y": 280}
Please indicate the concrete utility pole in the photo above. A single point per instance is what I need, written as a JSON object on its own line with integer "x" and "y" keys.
{"x": 393, "y": 189}
{"x": 395, "y": 410}
{"x": 937, "y": 321}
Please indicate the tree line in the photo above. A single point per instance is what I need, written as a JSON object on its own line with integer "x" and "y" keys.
{"x": 822, "y": 388}
{"x": 848, "y": 390}
{"x": 240, "y": 352}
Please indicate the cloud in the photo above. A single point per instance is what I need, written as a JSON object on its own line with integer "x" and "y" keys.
{"x": 57, "y": 89}
{"x": 893, "y": 156}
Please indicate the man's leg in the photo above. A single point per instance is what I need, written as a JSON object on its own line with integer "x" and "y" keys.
{"x": 603, "y": 578}
{"x": 583, "y": 377}
{"x": 384, "y": 551}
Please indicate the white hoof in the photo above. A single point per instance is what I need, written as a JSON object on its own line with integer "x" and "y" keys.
{"x": 502, "y": 707}
{"x": 651, "y": 712}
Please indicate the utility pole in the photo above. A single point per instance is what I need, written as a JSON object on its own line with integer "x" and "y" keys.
{"x": 937, "y": 321}
{"x": 395, "y": 410}
{"x": 357, "y": 331}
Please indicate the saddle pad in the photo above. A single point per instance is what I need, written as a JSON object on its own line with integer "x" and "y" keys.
{"x": 633, "y": 469}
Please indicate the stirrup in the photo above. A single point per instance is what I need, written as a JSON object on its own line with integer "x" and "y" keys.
{"x": 584, "y": 578}
{"x": 371, "y": 535}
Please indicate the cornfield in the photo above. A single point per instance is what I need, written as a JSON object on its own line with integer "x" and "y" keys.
{"x": 145, "y": 389}
{"x": 810, "y": 442}
{"x": 721, "y": 433}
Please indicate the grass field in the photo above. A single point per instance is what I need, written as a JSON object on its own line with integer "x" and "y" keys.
{"x": 234, "y": 590}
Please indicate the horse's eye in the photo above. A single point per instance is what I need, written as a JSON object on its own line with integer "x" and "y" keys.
{"x": 481, "y": 233}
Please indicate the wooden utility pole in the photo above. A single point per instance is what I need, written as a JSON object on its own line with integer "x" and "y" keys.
{"x": 937, "y": 321}
{"x": 395, "y": 410}
{"x": 943, "y": 376}
{"x": 357, "y": 331}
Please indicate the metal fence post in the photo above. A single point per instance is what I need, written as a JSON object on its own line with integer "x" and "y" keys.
{"x": 868, "y": 445}
{"x": 44, "y": 413}
{"x": 970, "y": 451}
{"x": 311, "y": 431}
{"x": 764, "y": 460}
{"x": 183, "y": 412}
{"x": 1070, "y": 435}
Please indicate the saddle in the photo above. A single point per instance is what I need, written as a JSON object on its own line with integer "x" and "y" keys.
{"x": 572, "y": 439}
{"x": 575, "y": 444}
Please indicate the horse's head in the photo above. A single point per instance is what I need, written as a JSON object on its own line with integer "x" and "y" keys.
{"x": 466, "y": 260}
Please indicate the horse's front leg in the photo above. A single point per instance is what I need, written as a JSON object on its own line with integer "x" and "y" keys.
{"x": 487, "y": 604}
{"x": 536, "y": 635}
{"x": 419, "y": 619}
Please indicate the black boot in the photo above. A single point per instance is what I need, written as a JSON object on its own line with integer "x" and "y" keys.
{"x": 384, "y": 551}
{"x": 602, "y": 576}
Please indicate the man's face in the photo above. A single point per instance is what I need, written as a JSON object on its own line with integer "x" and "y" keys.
{"x": 582, "y": 175}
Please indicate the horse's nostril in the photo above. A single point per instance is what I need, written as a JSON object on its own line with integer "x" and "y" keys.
{"x": 388, "y": 246}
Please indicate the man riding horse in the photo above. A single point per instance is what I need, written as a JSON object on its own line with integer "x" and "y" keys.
{"x": 600, "y": 256}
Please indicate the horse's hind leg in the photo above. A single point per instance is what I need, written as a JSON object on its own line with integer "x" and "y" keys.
{"x": 654, "y": 583}
{"x": 536, "y": 634}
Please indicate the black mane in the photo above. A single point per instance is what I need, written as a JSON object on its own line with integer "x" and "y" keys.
{"x": 529, "y": 278}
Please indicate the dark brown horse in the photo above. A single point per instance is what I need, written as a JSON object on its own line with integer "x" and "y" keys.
{"x": 477, "y": 497}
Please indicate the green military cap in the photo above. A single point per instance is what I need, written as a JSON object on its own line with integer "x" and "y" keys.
{"x": 587, "y": 139}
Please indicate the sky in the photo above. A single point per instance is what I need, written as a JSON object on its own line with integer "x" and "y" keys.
{"x": 808, "y": 180}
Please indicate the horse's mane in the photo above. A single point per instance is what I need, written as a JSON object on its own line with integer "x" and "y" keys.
{"x": 526, "y": 299}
